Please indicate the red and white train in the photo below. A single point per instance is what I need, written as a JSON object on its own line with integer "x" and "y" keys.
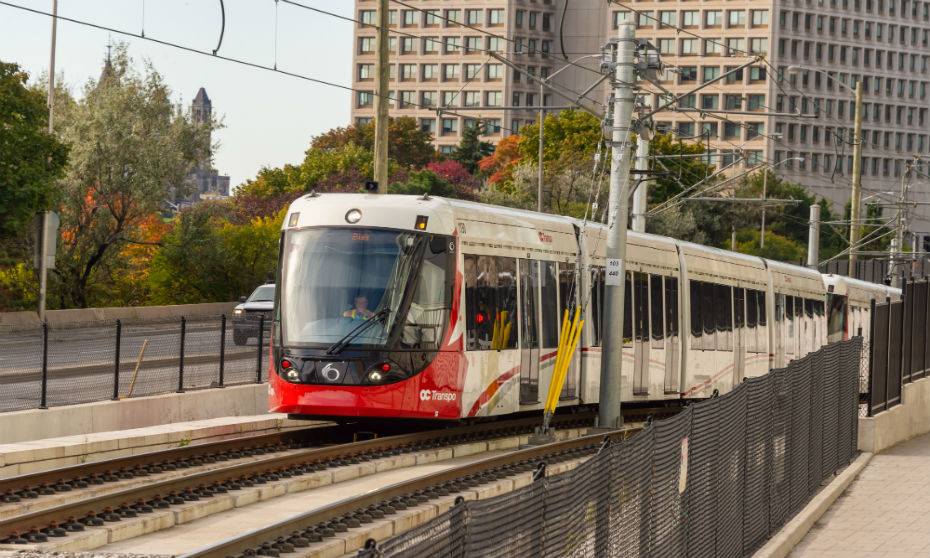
{"x": 430, "y": 308}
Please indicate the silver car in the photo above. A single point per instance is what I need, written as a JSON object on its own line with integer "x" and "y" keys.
{"x": 247, "y": 315}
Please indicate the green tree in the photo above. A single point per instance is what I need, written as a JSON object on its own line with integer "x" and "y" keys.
{"x": 408, "y": 146}
{"x": 31, "y": 159}
{"x": 130, "y": 149}
{"x": 471, "y": 149}
{"x": 424, "y": 182}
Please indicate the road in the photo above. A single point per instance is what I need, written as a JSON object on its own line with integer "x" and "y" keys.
{"x": 81, "y": 362}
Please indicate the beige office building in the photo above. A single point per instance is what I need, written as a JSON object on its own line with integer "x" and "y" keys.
{"x": 781, "y": 111}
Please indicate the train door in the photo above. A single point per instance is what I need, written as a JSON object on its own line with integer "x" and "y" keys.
{"x": 780, "y": 332}
{"x": 568, "y": 285}
{"x": 640, "y": 334}
{"x": 739, "y": 341}
{"x": 672, "y": 341}
{"x": 529, "y": 334}
{"x": 550, "y": 319}
{"x": 658, "y": 348}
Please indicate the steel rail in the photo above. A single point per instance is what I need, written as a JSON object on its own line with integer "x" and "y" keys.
{"x": 283, "y": 529}
{"x": 129, "y": 500}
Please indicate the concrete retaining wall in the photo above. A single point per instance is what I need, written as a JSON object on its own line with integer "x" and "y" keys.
{"x": 909, "y": 419}
{"x": 64, "y": 317}
{"x": 36, "y": 424}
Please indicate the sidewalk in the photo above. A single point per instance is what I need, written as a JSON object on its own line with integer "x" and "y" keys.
{"x": 884, "y": 512}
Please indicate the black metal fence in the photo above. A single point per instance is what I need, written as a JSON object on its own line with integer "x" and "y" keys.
{"x": 43, "y": 366}
{"x": 878, "y": 270}
{"x": 900, "y": 345}
{"x": 716, "y": 479}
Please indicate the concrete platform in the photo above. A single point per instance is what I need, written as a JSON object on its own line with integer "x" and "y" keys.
{"x": 49, "y": 453}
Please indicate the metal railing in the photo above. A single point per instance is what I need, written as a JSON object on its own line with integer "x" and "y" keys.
{"x": 717, "y": 479}
{"x": 899, "y": 345}
{"x": 43, "y": 366}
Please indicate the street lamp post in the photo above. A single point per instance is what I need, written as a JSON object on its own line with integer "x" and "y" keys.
{"x": 855, "y": 198}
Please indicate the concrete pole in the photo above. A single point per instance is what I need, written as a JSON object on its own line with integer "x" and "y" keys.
{"x": 381, "y": 99}
{"x": 856, "y": 182}
{"x": 897, "y": 243}
{"x": 813, "y": 238}
{"x": 640, "y": 195}
{"x": 612, "y": 353}
{"x": 539, "y": 187}
{"x": 43, "y": 229}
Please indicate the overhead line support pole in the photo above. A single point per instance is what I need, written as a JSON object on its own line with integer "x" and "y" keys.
{"x": 640, "y": 195}
{"x": 612, "y": 356}
{"x": 856, "y": 182}
{"x": 381, "y": 101}
{"x": 43, "y": 226}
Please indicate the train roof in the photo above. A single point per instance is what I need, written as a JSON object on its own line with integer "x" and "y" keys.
{"x": 858, "y": 290}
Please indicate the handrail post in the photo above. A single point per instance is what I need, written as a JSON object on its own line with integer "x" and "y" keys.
{"x": 119, "y": 334}
{"x": 261, "y": 342}
{"x": 181, "y": 356}
{"x": 43, "y": 398}
{"x": 222, "y": 348}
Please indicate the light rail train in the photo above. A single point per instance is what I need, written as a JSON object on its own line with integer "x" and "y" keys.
{"x": 430, "y": 308}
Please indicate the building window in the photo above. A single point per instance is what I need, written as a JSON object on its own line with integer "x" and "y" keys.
{"x": 669, "y": 18}
{"x": 754, "y": 129}
{"x": 429, "y": 98}
{"x": 453, "y": 45}
{"x": 667, "y": 46}
{"x": 472, "y": 98}
{"x": 408, "y": 72}
{"x": 734, "y": 77}
{"x": 691, "y": 18}
{"x": 736, "y": 18}
{"x": 366, "y": 71}
{"x": 759, "y": 45}
{"x": 688, "y": 73}
{"x": 686, "y": 129}
{"x": 474, "y": 17}
{"x": 449, "y": 98}
{"x": 431, "y": 45}
{"x": 732, "y": 102}
{"x": 620, "y": 17}
{"x": 689, "y": 47}
{"x": 432, "y": 18}
{"x": 735, "y": 47}
{"x": 710, "y": 101}
{"x": 430, "y": 72}
{"x": 428, "y": 125}
{"x": 495, "y": 71}
{"x": 493, "y": 98}
{"x": 450, "y": 126}
{"x": 712, "y": 46}
{"x": 753, "y": 157}
{"x": 472, "y": 45}
{"x": 450, "y": 72}
{"x": 368, "y": 17}
{"x": 711, "y": 73}
{"x": 492, "y": 126}
{"x": 496, "y": 17}
{"x": 495, "y": 44}
{"x": 713, "y": 18}
{"x": 453, "y": 17}
{"x": 410, "y": 18}
{"x": 756, "y": 74}
{"x": 365, "y": 98}
{"x": 760, "y": 18}
{"x": 756, "y": 102}
{"x": 366, "y": 45}
{"x": 518, "y": 18}
{"x": 408, "y": 98}
{"x": 472, "y": 71}
{"x": 645, "y": 19}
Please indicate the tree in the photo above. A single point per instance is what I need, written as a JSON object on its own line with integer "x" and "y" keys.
{"x": 130, "y": 147}
{"x": 408, "y": 146}
{"x": 423, "y": 182}
{"x": 454, "y": 173}
{"x": 499, "y": 165}
{"x": 31, "y": 159}
{"x": 471, "y": 149}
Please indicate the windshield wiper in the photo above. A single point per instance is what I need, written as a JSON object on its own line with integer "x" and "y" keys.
{"x": 338, "y": 346}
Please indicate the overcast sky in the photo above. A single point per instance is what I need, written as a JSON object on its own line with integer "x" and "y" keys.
{"x": 269, "y": 118}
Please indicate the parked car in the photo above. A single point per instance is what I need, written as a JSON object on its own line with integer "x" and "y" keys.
{"x": 247, "y": 315}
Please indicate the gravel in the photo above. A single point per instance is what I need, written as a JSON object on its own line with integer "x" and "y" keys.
{"x": 63, "y": 554}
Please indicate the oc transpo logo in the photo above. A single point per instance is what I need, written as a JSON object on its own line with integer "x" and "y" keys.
{"x": 433, "y": 395}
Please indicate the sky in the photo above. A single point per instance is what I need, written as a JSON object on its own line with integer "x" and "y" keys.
{"x": 268, "y": 118}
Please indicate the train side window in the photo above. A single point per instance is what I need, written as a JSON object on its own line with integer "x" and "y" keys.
{"x": 707, "y": 305}
{"x": 739, "y": 310}
{"x": 697, "y": 329}
{"x": 641, "y": 300}
{"x": 724, "y": 309}
{"x": 762, "y": 335}
{"x": 490, "y": 301}
{"x": 657, "y": 315}
{"x": 752, "y": 313}
{"x": 597, "y": 305}
{"x": 551, "y": 319}
{"x": 471, "y": 303}
{"x": 671, "y": 307}
{"x": 529, "y": 313}
{"x": 808, "y": 308}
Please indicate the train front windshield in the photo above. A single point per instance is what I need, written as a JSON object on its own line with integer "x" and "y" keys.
{"x": 334, "y": 280}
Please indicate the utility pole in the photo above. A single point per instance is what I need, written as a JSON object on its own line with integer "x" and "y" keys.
{"x": 640, "y": 195}
{"x": 381, "y": 99}
{"x": 897, "y": 243}
{"x": 765, "y": 184}
{"x": 612, "y": 354}
{"x": 43, "y": 228}
{"x": 813, "y": 238}
{"x": 856, "y": 182}
{"x": 542, "y": 117}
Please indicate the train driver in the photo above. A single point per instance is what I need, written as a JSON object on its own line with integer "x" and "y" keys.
{"x": 360, "y": 311}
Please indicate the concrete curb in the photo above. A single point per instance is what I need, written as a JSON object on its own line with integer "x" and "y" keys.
{"x": 783, "y": 542}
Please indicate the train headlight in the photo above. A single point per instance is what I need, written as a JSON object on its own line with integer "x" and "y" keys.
{"x": 353, "y": 216}
{"x": 293, "y": 375}
{"x": 375, "y": 376}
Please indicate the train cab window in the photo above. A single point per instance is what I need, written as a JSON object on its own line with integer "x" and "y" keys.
{"x": 671, "y": 307}
{"x": 551, "y": 318}
{"x": 490, "y": 302}
{"x": 723, "y": 305}
{"x": 597, "y": 305}
{"x": 656, "y": 315}
{"x": 836, "y": 318}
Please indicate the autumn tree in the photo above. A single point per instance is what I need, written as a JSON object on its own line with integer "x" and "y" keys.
{"x": 471, "y": 148}
{"x": 408, "y": 146}
{"x": 130, "y": 147}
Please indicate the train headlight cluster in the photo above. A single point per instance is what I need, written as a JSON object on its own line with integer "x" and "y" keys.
{"x": 375, "y": 376}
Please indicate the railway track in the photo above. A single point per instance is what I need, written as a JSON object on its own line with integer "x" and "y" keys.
{"x": 383, "y": 511}
{"x": 207, "y": 470}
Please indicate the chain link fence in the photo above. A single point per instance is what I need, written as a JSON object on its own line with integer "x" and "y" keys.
{"x": 716, "y": 479}
{"x": 43, "y": 366}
